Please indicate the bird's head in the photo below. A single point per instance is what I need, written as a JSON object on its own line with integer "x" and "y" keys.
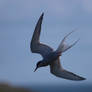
{"x": 38, "y": 65}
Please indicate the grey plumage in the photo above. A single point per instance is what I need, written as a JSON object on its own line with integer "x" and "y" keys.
{"x": 36, "y": 46}
{"x": 51, "y": 57}
{"x": 57, "y": 70}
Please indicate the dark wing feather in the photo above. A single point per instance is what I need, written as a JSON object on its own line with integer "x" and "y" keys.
{"x": 36, "y": 46}
{"x": 58, "y": 71}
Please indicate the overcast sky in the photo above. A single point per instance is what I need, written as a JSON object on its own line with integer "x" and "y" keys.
{"x": 17, "y": 23}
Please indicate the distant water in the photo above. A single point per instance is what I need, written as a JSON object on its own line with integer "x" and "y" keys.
{"x": 62, "y": 88}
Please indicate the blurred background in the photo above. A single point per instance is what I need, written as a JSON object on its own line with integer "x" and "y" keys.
{"x": 17, "y": 22}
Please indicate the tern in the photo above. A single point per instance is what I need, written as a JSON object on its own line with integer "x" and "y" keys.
{"x": 51, "y": 57}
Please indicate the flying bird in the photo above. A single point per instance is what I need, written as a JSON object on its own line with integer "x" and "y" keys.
{"x": 51, "y": 57}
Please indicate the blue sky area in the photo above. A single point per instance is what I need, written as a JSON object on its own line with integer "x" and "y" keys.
{"x": 17, "y": 22}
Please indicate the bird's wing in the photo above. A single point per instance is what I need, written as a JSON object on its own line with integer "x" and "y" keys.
{"x": 35, "y": 45}
{"x": 58, "y": 71}
{"x": 63, "y": 46}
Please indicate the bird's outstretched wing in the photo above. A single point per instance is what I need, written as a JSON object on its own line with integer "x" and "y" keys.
{"x": 35, "y": 45}
{"x": 58, "y": 71}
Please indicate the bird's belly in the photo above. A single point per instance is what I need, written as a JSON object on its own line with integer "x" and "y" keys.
{"x": 49, "y": 59}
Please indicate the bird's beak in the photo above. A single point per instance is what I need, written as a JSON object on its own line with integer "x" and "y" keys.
{"x": 35, "y": 69}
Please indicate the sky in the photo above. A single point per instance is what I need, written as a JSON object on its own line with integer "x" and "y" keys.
{"x": 17, "y": 22}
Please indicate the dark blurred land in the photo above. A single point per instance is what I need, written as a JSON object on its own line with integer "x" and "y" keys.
{"x": 4, "y": 87}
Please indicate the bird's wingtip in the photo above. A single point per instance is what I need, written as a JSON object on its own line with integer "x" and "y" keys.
{"x": 83, "y": 78}
{"x": 42, "y": 14}
{"x": 41, "y": 17}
